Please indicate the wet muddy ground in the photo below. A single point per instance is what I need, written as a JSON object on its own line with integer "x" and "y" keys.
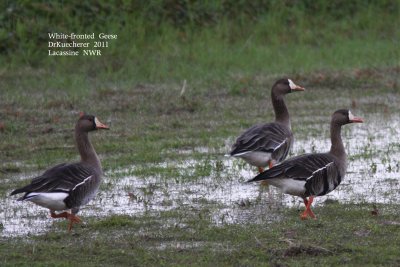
{"x": 373, "y": 176}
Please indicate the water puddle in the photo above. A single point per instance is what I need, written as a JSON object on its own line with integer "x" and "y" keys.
{"x": 372, "y": 177}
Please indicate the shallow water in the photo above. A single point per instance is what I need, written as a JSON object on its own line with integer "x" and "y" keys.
{"x": 372, "y": 177}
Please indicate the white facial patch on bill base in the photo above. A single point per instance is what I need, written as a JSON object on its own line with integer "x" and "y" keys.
{"x": 292, "y": 85}
{"x": 351, "y": 116}
{"x": 96, "y": 121}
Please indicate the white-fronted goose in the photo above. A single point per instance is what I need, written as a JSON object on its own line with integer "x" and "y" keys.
{"x": 311, "y": 175}
{"x": 270, "y": 143}
{"x": 69, "y": 185}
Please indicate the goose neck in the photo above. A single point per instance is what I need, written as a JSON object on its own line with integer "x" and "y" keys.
{"x": 86, "y": 150}
{"x": 280, "y": 109}
{"x": 337, "y": 147}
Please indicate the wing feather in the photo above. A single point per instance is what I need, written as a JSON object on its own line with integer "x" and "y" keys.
{"x": 268, "y": 138}
{"x": 62, "y": 177}
{"x": 298, "y": 168}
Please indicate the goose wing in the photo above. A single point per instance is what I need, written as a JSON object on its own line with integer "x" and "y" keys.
{"x": 267, "y": 138}
{"x": 63, "y": 177}
{"x": 319, "y": 172}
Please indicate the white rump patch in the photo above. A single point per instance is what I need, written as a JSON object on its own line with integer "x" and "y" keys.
{"x": 351, "y": 116}
{"x": 81, "y": 183}
{"x": 289, "y": 186}
{"x": 292, "y": 84}
{"x": 52, "y": 200}
{"x": 320, "y": 169}
{"x": 255, "y": 158}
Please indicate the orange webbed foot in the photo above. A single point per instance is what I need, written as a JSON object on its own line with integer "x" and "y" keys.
{"x": 304, "y": 216}
{"x": 69, "y": 216}
{"x": 308, "y": 212}
{"x": 73, "y": 219}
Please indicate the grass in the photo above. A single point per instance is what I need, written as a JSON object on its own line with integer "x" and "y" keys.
{"x": 144, "y": 134}
{"x": 347, "y": 61}
{"x": 139, "y": 127}
{"x": 334, "y": 239}
{"x": 202, "y": 43}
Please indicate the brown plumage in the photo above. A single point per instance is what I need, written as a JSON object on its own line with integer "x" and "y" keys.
{"x": 269, "y": 143}
{"x": 69, "y": 185}
{"x": 316, "y": 174}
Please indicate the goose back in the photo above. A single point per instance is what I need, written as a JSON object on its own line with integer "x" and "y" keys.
{"x": 79, "y": 181}
{"x": 318, "y": 174}
{"x": 273, "y": 138}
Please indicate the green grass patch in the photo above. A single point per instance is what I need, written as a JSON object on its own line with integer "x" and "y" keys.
{"x": 343, "y": 235}
{"x": 230, "y": 53}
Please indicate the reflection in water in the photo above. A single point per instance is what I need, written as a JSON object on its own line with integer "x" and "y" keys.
{"x": 373, "y": 176}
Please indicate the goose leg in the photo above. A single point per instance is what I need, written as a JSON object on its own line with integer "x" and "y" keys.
{"x": 308, "y": 212}
{"x": 261, "y": 170}
{"x": 60, "y": 215}
{"x": 304, "y": 215}
{"x": 71, "y": 217}
{"x": 271, "y": 163}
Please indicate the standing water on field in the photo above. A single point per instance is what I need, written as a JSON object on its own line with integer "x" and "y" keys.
{"x": 218, "y": 182}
